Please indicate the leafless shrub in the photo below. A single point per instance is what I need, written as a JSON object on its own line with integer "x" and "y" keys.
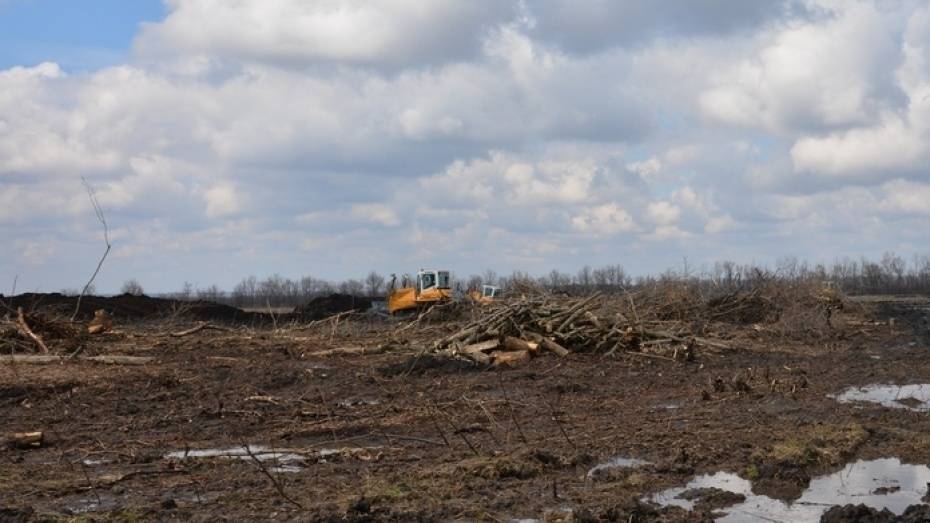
{"x": 106, "y": 238}
{"x": 132, "y": 287}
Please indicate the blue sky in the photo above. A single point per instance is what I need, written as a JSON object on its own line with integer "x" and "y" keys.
{"x": 80, "y": 35}
{"x": 333, "y": 137}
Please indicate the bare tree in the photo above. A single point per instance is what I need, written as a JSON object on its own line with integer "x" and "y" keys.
{"x": 212, "y": 293}
{"x": 132, "y": 287}
{"x": 352, "y": 287}
{"x": 374, "y": 282}
{"x": 106, "y": 238}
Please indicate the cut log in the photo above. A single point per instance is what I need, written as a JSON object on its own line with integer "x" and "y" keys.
{"x": 25, "y": 440}
{"x": 482, "y": 346}
{"x": 101, "y": 323}
{"x": 509, "y": 358}
{"x": 554, "y": 347}
{"x": 476, "y": 356}
{"x": 516, "y": 344}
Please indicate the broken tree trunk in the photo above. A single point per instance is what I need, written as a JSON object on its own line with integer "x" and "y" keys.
{"x": 26, "y": 331}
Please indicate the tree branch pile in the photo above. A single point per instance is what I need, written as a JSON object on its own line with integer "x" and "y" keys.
{"x": 38, "y": 332}
{"x": 669, "y": 321}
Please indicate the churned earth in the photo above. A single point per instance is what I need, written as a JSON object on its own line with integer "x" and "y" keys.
{"x": 249, "y": 424}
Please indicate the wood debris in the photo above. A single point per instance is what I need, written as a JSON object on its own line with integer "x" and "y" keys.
{"x": 513, "y": 332}
{"x": 102, "y": 322}
{"x": 25, "y": 440}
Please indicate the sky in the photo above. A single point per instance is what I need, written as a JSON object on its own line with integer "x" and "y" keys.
{"x": 333, "y": 137}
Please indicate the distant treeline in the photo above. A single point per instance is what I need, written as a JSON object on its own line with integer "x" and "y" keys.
{"x": 890, "y": 275}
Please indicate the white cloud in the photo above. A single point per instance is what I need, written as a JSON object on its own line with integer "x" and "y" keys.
{"x": 870, "y": 152}
{"x": 37, "y": 252}
{"x": 342, "y": 31}
{"x": 222, "y": 200}
{"x": 476, "y": 132}
{"x": 823, "y": 73}
{"x": 663, "y": 213}
{"x": 719, "y": 224}
{"x": 646, "y": 168}
{"x": 377, "y": 213}
{"x": 906, "y": 197}
{"x": 607, "y": 219}
{"x": 667, "y": 232}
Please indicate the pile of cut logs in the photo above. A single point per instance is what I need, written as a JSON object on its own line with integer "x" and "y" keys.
{"x": 511, "y": 332}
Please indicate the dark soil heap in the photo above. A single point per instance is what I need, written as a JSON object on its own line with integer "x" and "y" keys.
{"x": 323, "y": 306}
{"x": 128, "y": 306}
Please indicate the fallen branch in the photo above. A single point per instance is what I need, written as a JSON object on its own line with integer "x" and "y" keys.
{"x": 201, "y": 326}
{"x": 24, "y": 440}
{"x": 264, "y": 399}
{"x": 26, "y": 331}
{"x": 274, "y": 481}
{"x": 379, "y": 349}
{"x": 334, "y": 319}
{"x": 45, "y": 359}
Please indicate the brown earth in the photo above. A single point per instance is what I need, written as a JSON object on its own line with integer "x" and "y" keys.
{"x": 402, "y": 437}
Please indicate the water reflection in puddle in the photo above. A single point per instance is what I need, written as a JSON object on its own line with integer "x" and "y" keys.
{"x": 912, "y": 397}
{"x": 882, "y": 483}
{"x": 285, "y": 461}
{"x": 617, "y": 462}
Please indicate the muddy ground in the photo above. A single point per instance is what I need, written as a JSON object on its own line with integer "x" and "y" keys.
{"x": 402, "y": 437}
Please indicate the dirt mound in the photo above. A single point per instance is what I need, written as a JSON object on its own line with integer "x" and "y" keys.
{"x": 127, "y": 306}
{"x": 323, "y": 306}
{"x": 857, "y": 513}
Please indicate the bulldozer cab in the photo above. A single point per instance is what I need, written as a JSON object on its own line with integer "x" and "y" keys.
{"x": 427, "y": 280}
{"x": 431, "y": 287}
{"x": 490, "y": 291}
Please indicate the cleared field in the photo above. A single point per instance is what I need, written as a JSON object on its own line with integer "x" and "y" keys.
{"x": 251, "y": 423}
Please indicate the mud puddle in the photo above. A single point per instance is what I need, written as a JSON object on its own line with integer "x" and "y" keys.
{"x": 284, "y": 461}
{"x": 914, "y": 397}
{"x": 616, "y": 462}
{"x": 880, "y": 484}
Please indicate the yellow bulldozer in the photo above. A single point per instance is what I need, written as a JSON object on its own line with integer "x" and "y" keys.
{"x": 430, "y": 288}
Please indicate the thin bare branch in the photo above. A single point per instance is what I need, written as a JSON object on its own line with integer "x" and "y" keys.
{"x": 98, "y": 211}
